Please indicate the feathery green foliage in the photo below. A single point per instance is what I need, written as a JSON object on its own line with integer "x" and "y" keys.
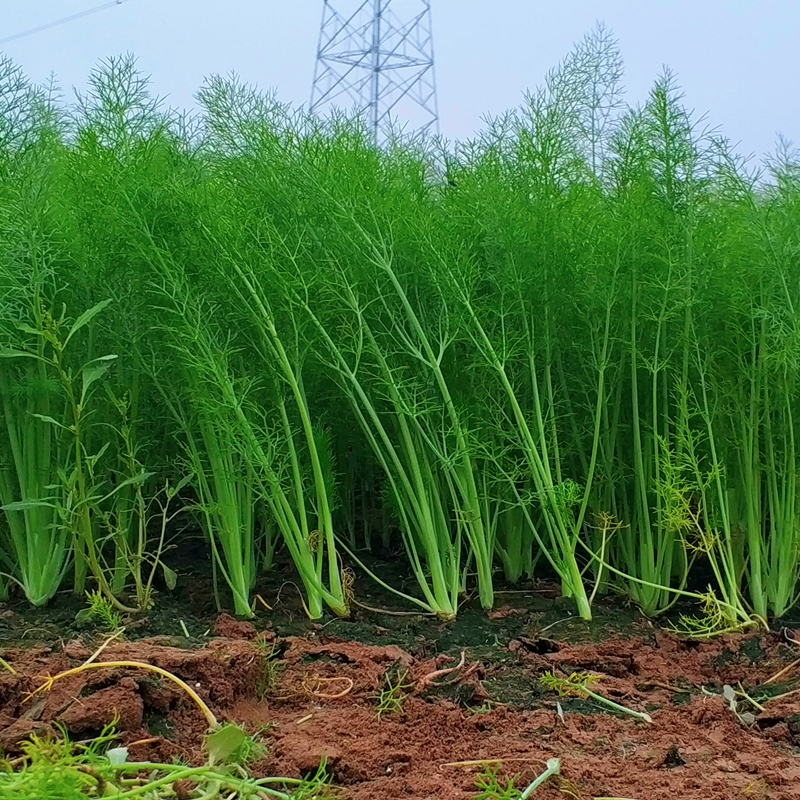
{"x": 567, "y": 347}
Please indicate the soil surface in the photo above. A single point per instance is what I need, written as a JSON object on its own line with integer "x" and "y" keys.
{"x": 469, "y": 692}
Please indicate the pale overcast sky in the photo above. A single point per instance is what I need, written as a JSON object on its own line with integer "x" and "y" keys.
{"x": 737, "y": 60}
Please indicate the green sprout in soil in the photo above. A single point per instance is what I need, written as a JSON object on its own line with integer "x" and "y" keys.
{"x": 393, "y": 693}
{"x": 491, "y": 787}
{"x": 577, "y": 685}
{"x": 268, "y": 667}
{"x": 317, "y": 786}
{"x": 103, "y": 610}
{"x": 715, "y": 619}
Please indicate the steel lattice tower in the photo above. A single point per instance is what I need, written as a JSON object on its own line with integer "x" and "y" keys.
{"x": 379, "y": 62}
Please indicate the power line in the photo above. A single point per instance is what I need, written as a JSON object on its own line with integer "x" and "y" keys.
{"x": 62, "y": 21}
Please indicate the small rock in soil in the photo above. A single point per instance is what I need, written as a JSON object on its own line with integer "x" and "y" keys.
{"x": 673, "y": 758}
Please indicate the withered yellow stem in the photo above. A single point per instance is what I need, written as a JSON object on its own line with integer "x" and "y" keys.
{"x": 207, "y": 712}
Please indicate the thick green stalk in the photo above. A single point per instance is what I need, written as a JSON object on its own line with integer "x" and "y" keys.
{"x": 561, "y": 553}
{"x": 401, "y": 460}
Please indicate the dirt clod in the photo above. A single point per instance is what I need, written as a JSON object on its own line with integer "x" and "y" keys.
{"x": 229, "y": 627}
{"x": 99, "y": 709}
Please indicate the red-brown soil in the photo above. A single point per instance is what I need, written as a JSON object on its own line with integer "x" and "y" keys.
{"x": 323, "y": 706}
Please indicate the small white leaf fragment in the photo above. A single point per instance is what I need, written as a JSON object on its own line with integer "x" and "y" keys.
{"x": 728, "y": 693}
{"x": 117, "y": 755}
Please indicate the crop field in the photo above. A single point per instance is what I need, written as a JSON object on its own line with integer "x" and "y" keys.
{"x": 436, "y": 470}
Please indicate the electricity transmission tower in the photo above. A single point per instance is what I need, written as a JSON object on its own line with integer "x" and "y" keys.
{"x": 378, "y": 57}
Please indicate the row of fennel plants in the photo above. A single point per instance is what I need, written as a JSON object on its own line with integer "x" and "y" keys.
{"x": 567, "y": 346}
